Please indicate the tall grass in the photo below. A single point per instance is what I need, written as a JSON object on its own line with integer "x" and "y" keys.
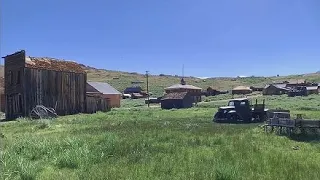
{"x": 151, "y": 144}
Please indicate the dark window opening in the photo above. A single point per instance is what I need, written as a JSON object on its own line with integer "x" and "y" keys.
{"x": 18, "y": 77}
{"x": 10, "y": 79}
{"x": 20, "y": 102}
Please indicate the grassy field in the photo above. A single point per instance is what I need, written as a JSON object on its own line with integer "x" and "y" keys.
{"x": 150, "y": 143}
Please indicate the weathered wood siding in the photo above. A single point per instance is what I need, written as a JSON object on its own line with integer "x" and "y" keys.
{"x": 95, "y": 102}
{"x": 14, "y": 94}
{"x": 64, "y": 91}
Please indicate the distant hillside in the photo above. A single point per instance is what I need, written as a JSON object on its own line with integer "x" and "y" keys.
{"x": 121, "y": 80}
{"x": 157, "y": 83}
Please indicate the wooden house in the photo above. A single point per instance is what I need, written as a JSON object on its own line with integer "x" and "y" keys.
{"x": 275, "y": 89}
{"x": 176, "y": 100}
{"x": 194, "y": 91}
{"x": 106, "y": 91}
{"x": 212, "y": 91}
{"x": 31, "y": 81}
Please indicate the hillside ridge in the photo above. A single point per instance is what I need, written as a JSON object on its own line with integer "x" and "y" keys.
{"x": 120, "y": 80}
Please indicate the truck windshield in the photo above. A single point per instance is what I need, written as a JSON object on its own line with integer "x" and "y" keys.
{"x": 231, "y": 103}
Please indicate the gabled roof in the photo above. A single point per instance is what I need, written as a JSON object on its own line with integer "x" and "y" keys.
{"x": 175, "y": 95}
{"x": 104, "y": 88}
{"x": 54, "y": 64}
{"x": 180, "y": 86}
{"x": 279, "y": 86}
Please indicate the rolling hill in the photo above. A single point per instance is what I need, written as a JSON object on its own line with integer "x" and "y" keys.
{"x": 121, "y": 80}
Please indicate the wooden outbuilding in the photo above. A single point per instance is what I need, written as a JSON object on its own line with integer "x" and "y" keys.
{"x": 275, "y": 89}
{"x": 212, "y": 91}
{"x": 176, "y": 100}
{"x": 194, "y": 91}
{"x": 96, "y": 102}
{"x": 31, "y": 81}
{"x": 241, "y": 90}
{"x": 106, "y": 91}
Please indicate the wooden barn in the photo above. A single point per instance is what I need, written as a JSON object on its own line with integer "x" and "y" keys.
{"x": 176, "y": 100}
{"x": 106, "y": 91}
{"x": 241, "y": 90}
{"x": 275, "y": 89}
{"x": 211, "y": 91}
{"x": 31, "y": 81}
{"x": 194, "y": 91}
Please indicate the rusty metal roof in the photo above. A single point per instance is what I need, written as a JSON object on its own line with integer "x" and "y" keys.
{"x": 53, "y": 64}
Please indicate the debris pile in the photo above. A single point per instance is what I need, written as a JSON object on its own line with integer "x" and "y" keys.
{"x": 53, "y": 64}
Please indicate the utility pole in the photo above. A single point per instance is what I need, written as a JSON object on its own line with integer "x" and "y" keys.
{"x": 147, "y": 75}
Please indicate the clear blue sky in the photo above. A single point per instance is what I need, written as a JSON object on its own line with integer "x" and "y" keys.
{"x": 211, "y": 38}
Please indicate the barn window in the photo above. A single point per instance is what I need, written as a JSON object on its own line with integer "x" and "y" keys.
{"x": 10, "y": 77}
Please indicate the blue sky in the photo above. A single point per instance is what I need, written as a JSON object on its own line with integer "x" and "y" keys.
{"x": 211, "y": 38}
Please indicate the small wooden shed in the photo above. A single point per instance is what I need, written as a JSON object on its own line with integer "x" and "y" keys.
{"x": 176, "y": 100}
{"x": 106, "y": 91}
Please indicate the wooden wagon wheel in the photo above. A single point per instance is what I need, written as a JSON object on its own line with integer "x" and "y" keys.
{"x": 39, "y": 112}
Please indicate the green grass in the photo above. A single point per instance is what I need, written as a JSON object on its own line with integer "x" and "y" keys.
{"x": 142, "y": 143}
{"x": 309, "y": 106}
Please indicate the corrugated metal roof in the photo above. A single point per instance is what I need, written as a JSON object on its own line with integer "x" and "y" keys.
{"x": 104, "y": 88}
{"x": 180, "y": 86}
